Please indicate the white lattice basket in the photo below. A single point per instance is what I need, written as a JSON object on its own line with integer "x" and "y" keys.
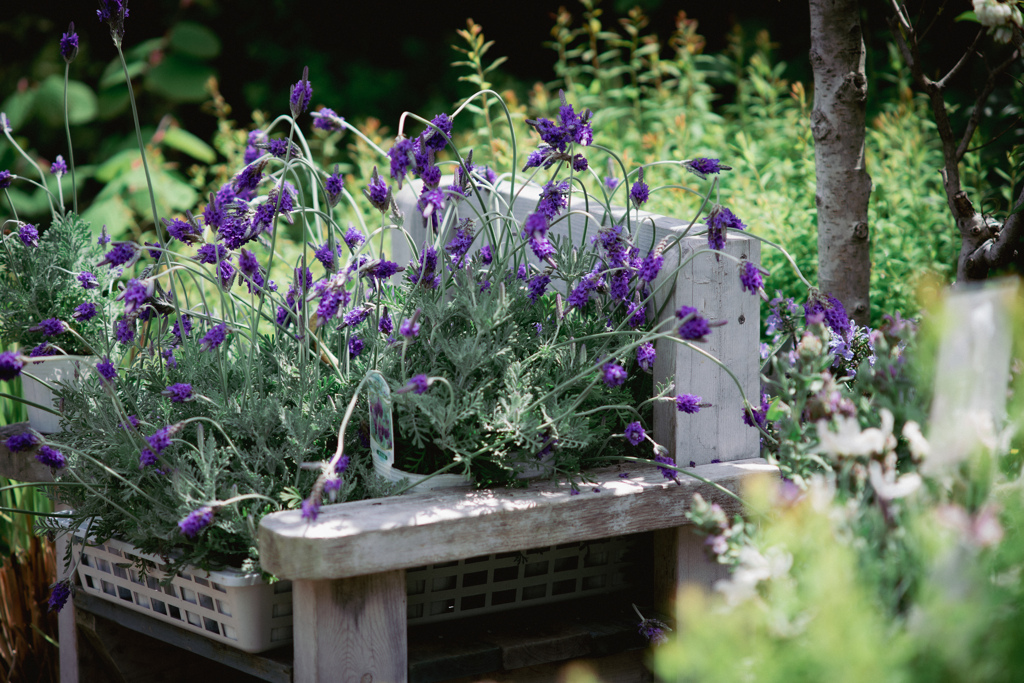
{"x": 494, "y": 583}
{"x": 230, "y": 607}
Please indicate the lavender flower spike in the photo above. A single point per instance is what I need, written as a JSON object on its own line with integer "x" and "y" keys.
{"x": 301, "y": 94}
{"x": 10, "y": 365}
{"x": 196, "y": 521}
{"x": 178, "y": 393}
{"x": 59, "y": 595}
{"x": 113, "y": 13}
{"x": 69, "y": 44}
{"x": 51, "y": 457}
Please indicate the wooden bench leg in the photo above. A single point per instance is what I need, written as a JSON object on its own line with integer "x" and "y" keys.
{"x": 351, "y": 629}
{"x": 679, "y": 559}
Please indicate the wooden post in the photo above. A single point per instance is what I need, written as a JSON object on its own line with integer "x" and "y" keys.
{"x": 351, "y": 630}
{"x": 680, "y": 558}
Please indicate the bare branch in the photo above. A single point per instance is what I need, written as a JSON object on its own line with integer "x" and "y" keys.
{"x": 944, "y": 81}
{"x": 972, "y": 123}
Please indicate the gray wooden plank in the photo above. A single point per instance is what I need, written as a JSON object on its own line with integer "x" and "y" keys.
{"x": 275, "y": 666}
{"x": 366, "y": 537}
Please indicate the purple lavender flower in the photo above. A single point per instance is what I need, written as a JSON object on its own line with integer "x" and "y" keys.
{"x": 750, "y": 278}
{"x": 69, "y": 44}
{"x": 135, "y": 295}
{"x": 654, "y": 631}
{"x": 51, "y": 327}
{"x": 486, "y": 255}
{"x": 409, "y": 328}
{"x": 757, "y": 417}
{"x": 614, "y": 374}
{"x": 434, "y": 140}
{"x": 553, "y": 198}
{"x": 121, "y": 254}
{"x": 326, "y": 257}
{"x": 703, "y": 167}
{"x": 147, "y": 458}
{"x": 160, "y": 440}
{"x": 59, "y": 167}
{"x": 399, "y": 154}
{"x": 645, "y": 356}
{"x": 51, "y": 457}
{"x": 183, "y": 231}
{"x": 639, "y": 193}
{"x": 21, "y": 442}
{"x": 88, "y": 280}
{"x": 186, "y": 320}
{"x": 636, "y": 315}
{"x": 611, "y": 182}
{"x": 196, "y": 521}
{"x": 355, "y": 346}
{"x": 536, "y": 288}
{"x": 355, "y": 316}
{"x": 113, "y": 13}
{"x": 418, "y": 384}
{"x": 666, "y": 471}
{"x": 169, "y": 358}
{"x": 688, "y": 403}
{"x": 43, "y": 349}
{"x": 386, "y": 325}
{"x": 28, "y": 235}
{"x": 377, "y": 192}
{"x": 249, "y": 178}
{"x": 635, "y": 433}
{"x": 310, "y": 509}
{"x": 333, "y": 186}
{"x": 214, "y": 337}
{"x": 178, "y": 393}
{"x": 833, "y": 312}
{"x": 353, "y": 238}
{"x": 535, "y": 225}
{"x": 106, "y": 369}
{"x": 212, "y": 253}
{"x": 326, "y": 119}
{"x": 125, "y": 331}
{"x": 62, "y": 589}
{"x": 651, "y": 266}
{"x": 580, "y": 163}
{"x": 301, "y": 94}
{"x": 694, "y": 327}
{"x": 542, "y": 248}
{"x": 719, "y": 221}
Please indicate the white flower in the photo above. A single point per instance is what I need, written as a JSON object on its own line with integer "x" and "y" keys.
{"x": 849, "y": 440}
{"x": 919, "y": 447}
{"x": 754, "y": 567}
{"x": 888, "y": 486}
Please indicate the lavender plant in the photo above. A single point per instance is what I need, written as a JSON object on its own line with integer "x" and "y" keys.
{"x": 228, "y": 378}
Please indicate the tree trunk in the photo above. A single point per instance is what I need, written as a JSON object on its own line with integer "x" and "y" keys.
{"x": 837, "y": 121}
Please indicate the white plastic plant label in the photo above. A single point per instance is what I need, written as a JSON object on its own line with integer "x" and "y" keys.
{"x": 382, "y": 433}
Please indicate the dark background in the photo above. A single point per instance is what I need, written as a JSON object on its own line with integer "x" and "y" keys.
{"x": 381, "y": 58}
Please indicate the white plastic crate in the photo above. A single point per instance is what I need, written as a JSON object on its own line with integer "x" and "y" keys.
{"x": 494, "y": 583}
{"x": 230, "y": 607}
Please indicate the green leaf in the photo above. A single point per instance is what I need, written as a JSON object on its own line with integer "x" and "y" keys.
{"x": 144, "y": 49}
{"x": 82, "y": 103}
{"x": 183, "y": 141}
{"x": 113, "y": 213}
{"x": 967, "y": 16}
{"x": 179, "y": 78}
{"x": 113, "y": 74}
{"x": 117, "y": 165}
{"x": 195, "y": 40}
{"x": 18, "y": 107}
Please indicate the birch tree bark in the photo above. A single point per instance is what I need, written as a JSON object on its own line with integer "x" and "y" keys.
{"x": 837, "y": 122}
